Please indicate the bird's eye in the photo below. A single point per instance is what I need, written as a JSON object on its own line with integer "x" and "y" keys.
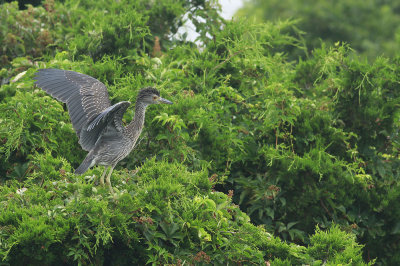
{"x": 154, "y": 97}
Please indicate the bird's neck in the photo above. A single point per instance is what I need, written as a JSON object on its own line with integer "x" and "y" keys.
{"x": 134, "y": 128}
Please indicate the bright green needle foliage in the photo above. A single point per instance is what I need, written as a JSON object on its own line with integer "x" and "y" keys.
{"x": 295, "y": 143}
{"x": 31, "y": 32}
{"x": 335, "y": 246}
{"x": 163, "y": 214}
{"x": 31, "y": 122}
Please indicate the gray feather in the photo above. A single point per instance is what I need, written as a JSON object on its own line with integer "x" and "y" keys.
{"x": 86, "y": 97}
{"x": 110, "y": 118}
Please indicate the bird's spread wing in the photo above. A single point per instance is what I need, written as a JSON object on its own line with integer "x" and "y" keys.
{"x": 86, "y": 97}
{"x": 110, "y": 119}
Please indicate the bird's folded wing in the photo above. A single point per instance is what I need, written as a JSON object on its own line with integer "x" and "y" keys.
{"x": 110, "y": 119}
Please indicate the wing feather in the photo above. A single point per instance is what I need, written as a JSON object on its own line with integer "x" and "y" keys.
{"x": 110, "y": 116}
{"x": 85, "y": 96}
{"x": 59, "y": 89}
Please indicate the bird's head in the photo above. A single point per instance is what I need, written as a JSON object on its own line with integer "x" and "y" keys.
{"x": 151, "y": 95}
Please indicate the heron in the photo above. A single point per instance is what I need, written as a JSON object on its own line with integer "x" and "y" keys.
{"x": 97, "y": 123}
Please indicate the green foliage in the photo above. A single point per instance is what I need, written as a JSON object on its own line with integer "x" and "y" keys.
{"x": 163, "y": 214}
{"x": 124, "y": 28}
{"x": 32, "y": 32}
{"x": 294, "y": 143}
{"x": 370, "y": 27}
{"x": 106, "y": 27}
{"x": 36, "y": 124}
{"x": 335, "y": 246}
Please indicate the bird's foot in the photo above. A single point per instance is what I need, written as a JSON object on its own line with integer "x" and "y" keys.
{"x": 111, "y": 190}
{"x": 109, "y": 186}
{"x": 134, "y": 172}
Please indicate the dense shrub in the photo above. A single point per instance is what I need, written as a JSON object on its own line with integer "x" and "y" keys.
{"x": 294, "y": 143}
{"x": 163, "y": 214}
{"x": 371, "y": 27}
{"x": 32, "y": 32}
{"x": 95, "y": 28}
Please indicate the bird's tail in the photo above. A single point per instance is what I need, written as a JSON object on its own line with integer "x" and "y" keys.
{"x": 85, "y": 165}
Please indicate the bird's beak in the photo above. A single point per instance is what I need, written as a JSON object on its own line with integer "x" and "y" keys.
{"x": 162, "y": 100}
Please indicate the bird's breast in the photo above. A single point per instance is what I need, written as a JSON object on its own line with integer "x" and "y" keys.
{"x": 113, "y": 150}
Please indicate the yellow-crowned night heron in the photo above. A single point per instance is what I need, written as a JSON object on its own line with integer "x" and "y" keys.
{"x": 97, "y": 123}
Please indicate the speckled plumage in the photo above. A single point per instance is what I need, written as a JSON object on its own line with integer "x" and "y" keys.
{"x": 97, "y": 123}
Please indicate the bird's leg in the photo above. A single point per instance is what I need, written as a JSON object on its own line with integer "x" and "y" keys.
{"x": 103, "y": 175}
{"x": 108, "y": 180}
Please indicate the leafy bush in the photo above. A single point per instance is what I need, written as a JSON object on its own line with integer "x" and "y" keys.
{"x": 370, "y": 27}
{"x": 95, "y": 28}
{"x": 281, "y": 133}
{"x": 32, "y": 32}
{"x": 295, "y": 143}
{"x": 163, "y": 214}
{"x": 335, "y": 246}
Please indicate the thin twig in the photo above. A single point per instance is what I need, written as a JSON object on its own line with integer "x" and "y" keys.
{"x": 325, "y": 208}
{"x": 227, "y": 59}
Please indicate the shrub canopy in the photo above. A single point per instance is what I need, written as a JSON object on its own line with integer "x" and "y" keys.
{"x": 261, "y": 158}
{"x": 371, "y": 27}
